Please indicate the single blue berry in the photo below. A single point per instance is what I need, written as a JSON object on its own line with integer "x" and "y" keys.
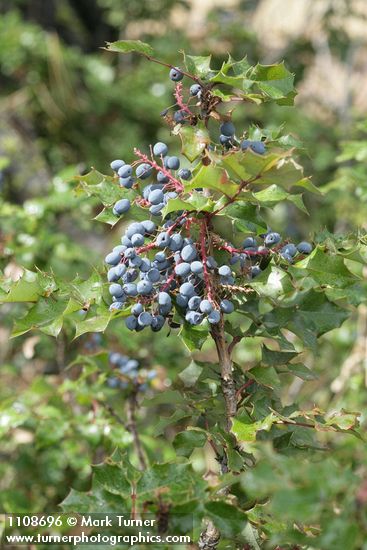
{"x": 304, "y": 247}
{"x": 175, "y": 74}
{"x": 143, "y": 171}
{"x": 184, "y": 174}
{"x": 226, "y": 306}
{"x": 227, "y": 129}
{"x": 125, "y": 171}
{"x": 195, "y": 89}
{"x": 173, "y": 163}
{"x": 160, "y": 149}
{"x": 116, "y": 165}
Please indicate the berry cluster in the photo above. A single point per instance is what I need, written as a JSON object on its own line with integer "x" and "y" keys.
{"x": 127, "y": 373}
{"x": 180, "y": 264}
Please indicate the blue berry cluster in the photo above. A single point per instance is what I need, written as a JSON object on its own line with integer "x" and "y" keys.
{"x": 127, "y": 373}
{"x": 180, "y": 265}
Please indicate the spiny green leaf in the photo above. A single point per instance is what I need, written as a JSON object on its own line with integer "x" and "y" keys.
{"x": 266, "y": 376}
{"x": 194, "y": 140}
{"x": 185, "y": 442}
{"x": 198, "y": 65}
{"x": 246, "y": 431}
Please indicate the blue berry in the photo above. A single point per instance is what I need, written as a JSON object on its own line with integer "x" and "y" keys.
{"x": 195, "y": 89}
{"x": 176, "y": 242}
{"x": 164, "y": 299}
{"x": 112, "y": 258}
{"x": 184, "y": 174}
{"x": 175, "y": 74}
{"x": 249, "y": 242}
{"x": 143, "y": 171}
{"x": 255, "y": 271}
{"x": 153, "y": 275}
{"x": 194, "y": 302}
{"x": 304, "y": 247}
{"x": 144, "y": 287}
{"x": 245, "y": 144}
{"x": 149, "y": 226}
{"x": 206, "y": 307}
{"x": 137, "y": 309}
{"x": 214, "y": 317}
{"x": 125, "y": 171}
{"x": 131, "y": 322}
{"x": 160, "y": 149}
{"x": 225, "y": 271}
{"x": 271, "y": 239}
{"x": 197, "y": 267}
{"x": 121, "y": 207}
{"x": 145, "y": 319}
{"x": 133, "y": 228}
{"x": 179, "y": 116}
{"x": 182, "y": 269}
{"x": 258, "y": 147}
{"x": 227, "y": 129}
{"x": 194, "y": 317}
{"x": 137, "y": 239}
{"x": 156, "y": 325}
{"x": 116, "y": 290}
{"x": 163, "y": 240}
{"x": 181, "y": 300}
{"x": 117, "y": 164}
{"x": 162, "y": 178}
{"x": 155, "y": 209}
{"x": 130, "y": 289}
{"x": 289, "y": 249}
{"x": 173, "y": 163}
{"x": 156, "y": 196}
{"x": 188, "y": 253}
{"x": 126, "y": 182}
{"x": 187, "y": 289}
{"x": 226, "y": 306}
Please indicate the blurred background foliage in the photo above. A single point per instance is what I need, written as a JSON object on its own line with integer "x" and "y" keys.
{"x": 67, "y": 105}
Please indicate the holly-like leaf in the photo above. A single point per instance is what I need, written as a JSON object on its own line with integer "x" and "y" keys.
{"x": 275, "y": 81}
{"x": 127, "y": 46}
{"x": 266, "y": 376}
{"x": 198, "y": 65}
{"x": 194, "y": 140}
{"x": 28, "y": 288}
{"x": 275, "y": 358}
{"x": 212, "y": 177}
{"x": 194, "y": 337}
{"x": 185, "y": 442}
{"x": 246, "y": 430}
{"x": 229, "y": 519}
{"x": 112, "y": 478}
{"x": 325, "y": 269}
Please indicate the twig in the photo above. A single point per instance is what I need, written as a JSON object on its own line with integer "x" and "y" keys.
{"x": 242, "y": 388}
{"x": 131, "y": 426}
{"x": 189, "y": 75}
{"x": 179, "y": 98}
{"x": 228, "y": 384}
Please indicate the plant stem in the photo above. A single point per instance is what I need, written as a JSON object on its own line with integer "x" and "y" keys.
{"x": 131, "y": 426}
{"x": 225, "y": 363}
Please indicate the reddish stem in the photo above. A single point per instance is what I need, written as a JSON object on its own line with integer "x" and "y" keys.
{"x": 177, "y": 184}
{"x": 233, "y": 250}
{"x": 180, "y": 101}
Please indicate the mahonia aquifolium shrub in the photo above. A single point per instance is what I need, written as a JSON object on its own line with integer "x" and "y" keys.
{"x": 165, "y": 265}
